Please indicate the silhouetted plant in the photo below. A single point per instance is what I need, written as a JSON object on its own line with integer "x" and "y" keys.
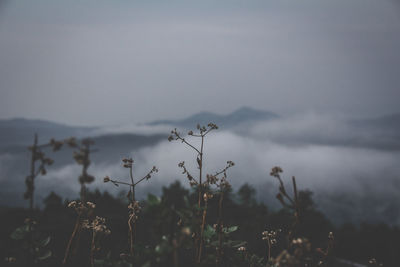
{"x": 82, "y": 157}
{"x": 133, "y": 207}
{"x": 33, "y": 243}
{"x": 38, "y": 164}
{"x": 204, "y": 191}
{"x": 270, "y": 237}
{"x": 327, "y": 254}
{"x": 39, "y": 161}
{"x": 99, "y": 229}
{"x": 83, "y": 209}
{"x": 287, "y": 201}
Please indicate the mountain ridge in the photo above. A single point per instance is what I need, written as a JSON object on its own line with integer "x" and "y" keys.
{"x": 237, "y": 117}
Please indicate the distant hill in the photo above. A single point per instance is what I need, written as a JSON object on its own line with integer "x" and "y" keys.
{"x": 21, "y": 131}
{"x": 241, "y": 116}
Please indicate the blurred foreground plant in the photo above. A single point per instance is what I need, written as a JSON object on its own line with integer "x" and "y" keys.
{"x": 133, "y": 207}
{"x": 204, "y": 191}
{"x": 33, "y": 243}
{"x": 83, "y": 209}
{"x": 38, "y": 164}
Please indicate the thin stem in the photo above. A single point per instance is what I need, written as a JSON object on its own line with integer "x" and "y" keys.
{"x": 32, "y": 176}
{"x": 144, "y": 177}
{"x": 119, "y": 182}
{"x": 131, "y": 174}
{"x": 219, "y": 225}
{"x": 184, "y": 141}
{"x": 31, "y": 192}
{"x": 283, "y": 190}
{"x": 202, "y": 231}
{"x": 199, "y": 249}
{"x": 209, "y": 130}
{"x": 93, "y": 247}
{"x": 68, "y": 249}
{"x": 269, "y": 252}
{"x": 131, "y": 222}
{"x": 201, "y": 171}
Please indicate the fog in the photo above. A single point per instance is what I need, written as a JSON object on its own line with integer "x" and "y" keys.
{"x": 313, "y": 148}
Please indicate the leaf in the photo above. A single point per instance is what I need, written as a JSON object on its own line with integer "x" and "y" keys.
{"x": 209, "y": 231}
{"x": 44, "y": 242}
{"x": 238, "y": 244}
{"x": 147, "y": 264}
{"x": 19, "y": 233}
{"x": 186, "y": 201}
{"x": 46, "y": 255}
{"x": 231, "y": 229}
{"x": 98, "y": 262}
{"x": 152, "y": 200}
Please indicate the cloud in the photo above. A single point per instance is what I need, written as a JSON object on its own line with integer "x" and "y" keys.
{"x": 312, "y": 147}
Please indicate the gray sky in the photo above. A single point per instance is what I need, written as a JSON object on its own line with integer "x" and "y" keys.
{"x": 109, "y": 62}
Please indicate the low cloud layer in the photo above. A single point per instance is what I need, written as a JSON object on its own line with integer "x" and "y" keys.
{"x": 310, "y": 148}
{"x": 318, "y": 150}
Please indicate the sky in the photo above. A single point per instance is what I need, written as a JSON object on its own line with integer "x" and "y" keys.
{"x": 114, "y": 62}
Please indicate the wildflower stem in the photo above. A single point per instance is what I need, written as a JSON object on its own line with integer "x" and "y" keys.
{"x": 203, "y": 223}
{"x": 219, "y": 228}
{"x": 131, "y": 221}
{"x": 32, "y": 176}
{"x": 199, "y": 249}
{"x": 201, "y": 170}
{"x": 71, "y": 239}
{"x": 92, "y": 249}
{"x": 184, "y": 141}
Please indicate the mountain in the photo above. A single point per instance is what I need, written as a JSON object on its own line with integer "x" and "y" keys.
{"x": 21, "y": 131}
{"x": 244, "y": 115}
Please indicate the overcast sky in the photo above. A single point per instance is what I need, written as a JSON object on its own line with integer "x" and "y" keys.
{"x": 110, "y": 62}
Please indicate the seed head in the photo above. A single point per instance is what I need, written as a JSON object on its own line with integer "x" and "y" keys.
{"x": 275, "y": 171}
{"x": 91, "y": 205}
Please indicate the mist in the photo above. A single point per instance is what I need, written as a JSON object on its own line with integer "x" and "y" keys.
{"x": 316, "y": 149}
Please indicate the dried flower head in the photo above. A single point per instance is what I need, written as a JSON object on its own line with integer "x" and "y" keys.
{"x": 207, "y": 196}
{"x": 211, "y": 179}
{"x": 98, "y": 225}
{"x": 134, "y": 209}
{"x": 71, "y": 142}
{"x": 330, "y": 236}
{"x": 186, "y": 231}
{"x": 297, "y": 241}
{"x": 275, "y": 171}
{"x": 270, "y": 236}
{"x": 230, "y": 163}
{"x": 72, "y": 204}
{"x": 56, "y": 144}
{"x": 90, "y": 205}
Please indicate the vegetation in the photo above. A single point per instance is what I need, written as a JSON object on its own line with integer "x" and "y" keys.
{"x": 208, "y": 224}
